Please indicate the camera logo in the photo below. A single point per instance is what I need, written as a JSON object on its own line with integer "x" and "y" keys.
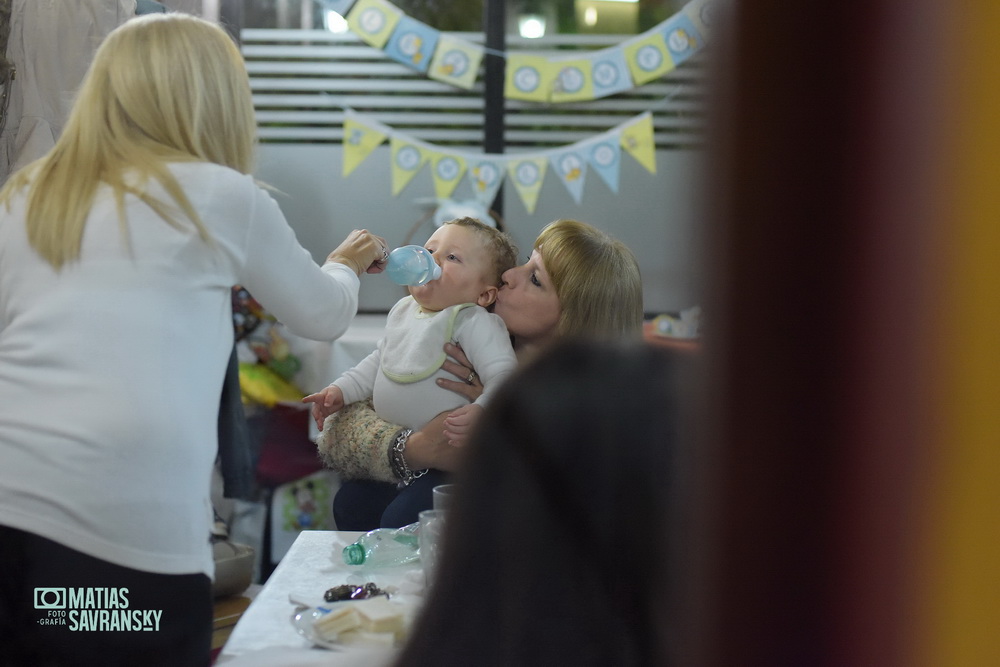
{"x": 50, "y": 598}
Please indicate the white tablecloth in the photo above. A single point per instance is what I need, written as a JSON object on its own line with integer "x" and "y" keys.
{"x": 310, "y": 567}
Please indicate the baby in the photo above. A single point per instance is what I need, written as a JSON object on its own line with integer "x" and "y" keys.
{"x": 400, "y": 374}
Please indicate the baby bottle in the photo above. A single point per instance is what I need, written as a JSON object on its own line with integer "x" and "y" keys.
{"x": 412, "y": 265}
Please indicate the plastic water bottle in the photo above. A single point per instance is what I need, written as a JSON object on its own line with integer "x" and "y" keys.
{"x": 412, "y": 265}
{"x": 385, "y": 546}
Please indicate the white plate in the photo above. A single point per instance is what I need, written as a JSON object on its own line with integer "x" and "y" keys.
{"x": 303, "y": 620}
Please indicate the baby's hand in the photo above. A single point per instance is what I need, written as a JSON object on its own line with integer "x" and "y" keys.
{"x": 325, "y": 403}
{"x": 460, "y": 423}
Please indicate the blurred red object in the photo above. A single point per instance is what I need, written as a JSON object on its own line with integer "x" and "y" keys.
{"x": 286, "y": 452}
{"x": 684, "y": 344}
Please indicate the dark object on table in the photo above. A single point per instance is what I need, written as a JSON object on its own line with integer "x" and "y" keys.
{"x": 349, "y": 592}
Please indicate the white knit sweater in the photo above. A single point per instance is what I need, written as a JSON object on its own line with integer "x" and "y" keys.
{"x": 111, "y": 370}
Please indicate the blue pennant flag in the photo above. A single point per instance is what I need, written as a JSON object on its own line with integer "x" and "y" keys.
{"x": 609, "y": 72}
{"x": 412, "y": 43}
{"x": 571, "y": 167}
{"x": 682, "y": 37}
{"x": 604, "y": 156}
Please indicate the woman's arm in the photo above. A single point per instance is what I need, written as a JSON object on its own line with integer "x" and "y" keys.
{"x": 429, "y": 448}
{"x": 357, "y": 443}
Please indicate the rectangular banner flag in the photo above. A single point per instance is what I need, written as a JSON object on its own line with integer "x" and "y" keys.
{"x": 604, "y": 156}
{"x": 571, "y": 167}
{"x": 412, "y": 43}
{"x": 648, "y": 57}
{"x": 609, "y": 72}
{"x": 528, "y": 78}
{"x": 527, "y": 173}
{"x": 339, "y": 6}
{"x": 682, "y": 38}
{"x": 373, "y": 21}
{"x": 573, "y": 80}
{"x": 407, "y": 159}
{"x": 486, "y": 176}
{"x": 360, "y": 139}
{"x": 701, "y": 13}
{"x": 456, "y": 62}
{"x": 636, "y": 137}
{"x": 447, "y": 170}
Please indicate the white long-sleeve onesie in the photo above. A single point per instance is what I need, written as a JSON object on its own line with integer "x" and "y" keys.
{"x": 400, "y": 374}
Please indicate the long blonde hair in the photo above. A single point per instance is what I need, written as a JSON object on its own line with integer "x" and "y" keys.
{"x": 596, "y": 279}
{"x": 162, "y": 88}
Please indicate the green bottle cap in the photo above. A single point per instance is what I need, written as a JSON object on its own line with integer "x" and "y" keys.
{"x": 354, "y": 554}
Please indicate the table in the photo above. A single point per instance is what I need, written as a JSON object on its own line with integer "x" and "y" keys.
{"x": 312, "y": 565}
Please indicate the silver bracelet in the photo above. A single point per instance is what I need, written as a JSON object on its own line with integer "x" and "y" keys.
{"x": 399, "y": 466}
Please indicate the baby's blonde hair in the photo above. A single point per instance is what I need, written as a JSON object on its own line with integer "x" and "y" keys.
{"x": 499, "y": 245}
{"x": 162, "y": 88}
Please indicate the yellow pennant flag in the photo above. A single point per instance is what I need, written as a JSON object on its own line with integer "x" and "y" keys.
{"x": 527, "y": 174}
{"x": 528, "y": 78}
{"x": 456, "y": 61}
{"x": 573, "y": 80}
{"x": 648, "y": 57}
{"x": 447, "y": 170}
{"x": 359, "y": 141}
{"x": 407, "y": 159}
{"x": 636, "y": 137}
{"x": 374, "y": 21}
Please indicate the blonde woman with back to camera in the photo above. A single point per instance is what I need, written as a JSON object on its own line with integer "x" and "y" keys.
{"x": 118, "y": 250}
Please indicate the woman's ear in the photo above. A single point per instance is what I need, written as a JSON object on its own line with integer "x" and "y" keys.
{"x": 487, "y": 297}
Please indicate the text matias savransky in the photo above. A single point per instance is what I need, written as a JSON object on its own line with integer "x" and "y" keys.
{"x": 94, "y": 610}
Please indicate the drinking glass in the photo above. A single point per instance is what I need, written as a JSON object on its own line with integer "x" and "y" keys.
{"x": 443, "y": 494}
{"x": 430, "y": 539}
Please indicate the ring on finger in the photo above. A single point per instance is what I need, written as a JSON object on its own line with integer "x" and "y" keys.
{"x": 472, "y": 377}
{"x": 385, "y": 253}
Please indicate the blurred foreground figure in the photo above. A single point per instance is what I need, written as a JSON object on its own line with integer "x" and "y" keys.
{"x": 558, "y": 547}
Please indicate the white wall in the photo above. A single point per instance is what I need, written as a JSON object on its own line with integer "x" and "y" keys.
{"x": 654, "y": 214}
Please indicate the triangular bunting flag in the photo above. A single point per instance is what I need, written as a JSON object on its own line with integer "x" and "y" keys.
{"x": 373, "y": 21}
{"x": 604, "y": 156}
{"x": 648, "y": 57}
{"x": 456, "y": 62}
{"x": 359, "y": 141}
{"x": 486, "y": 176}
{"x": 412, "y": 43}
{"x": 407, "y": 159}
{"x": 636, "y": 137}
{"x": 528, "y": 78}
{"x": 528, "y": 174}
{"x": 571, "y": 168}
{"x": 447, "y": 170}
{"x": 534, "y": 78}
